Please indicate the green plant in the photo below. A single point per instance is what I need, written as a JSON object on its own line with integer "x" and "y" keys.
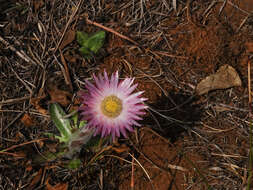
{"x": 90, "y": 44}
{"x": 73, "y": 135}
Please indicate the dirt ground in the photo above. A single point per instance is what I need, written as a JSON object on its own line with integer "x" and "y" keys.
{"x": 187, "y": 141}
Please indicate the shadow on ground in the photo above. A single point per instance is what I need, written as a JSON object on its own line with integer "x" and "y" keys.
{"x": 176, "y": 113}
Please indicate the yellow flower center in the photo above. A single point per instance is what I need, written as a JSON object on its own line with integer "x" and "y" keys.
{"x": 111, "y": 106}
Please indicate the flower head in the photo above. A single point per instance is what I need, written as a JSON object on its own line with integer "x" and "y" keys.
{"x": 110, "y": 106}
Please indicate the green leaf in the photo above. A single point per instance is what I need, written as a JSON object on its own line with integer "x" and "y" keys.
{"x": 77, "y": 124}
{"x": 85, "y": 51}
{"x": 63, "y": 124}
{"x": 82, "y": 124}
{"x": 96, "y": 41}
{"x": 50, "y": 135}
{"x": 74, "y": 164}
{"x": 82, "y": 38}
{"x": 90, "y": 44}
{"x": 75, "y": 119}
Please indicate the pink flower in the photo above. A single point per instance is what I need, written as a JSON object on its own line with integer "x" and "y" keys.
{"x": 110, "y": 106}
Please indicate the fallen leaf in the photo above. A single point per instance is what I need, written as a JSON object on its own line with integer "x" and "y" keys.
{"x": 37, "y": 4}
{"x": 249, "y": 47}
{"x": 121, "y": 148}
{"x": 225, "y": 77}
{"x": 52, "y": 147}
{"x": 60, "y": 96}
{"x": 36, "y": 179}
{"x": 40, "y": 144}
{"x": 70, "y": 58}
{"x": 29, "y": 168}
{"x": 68, "y": 38}
{"x": 27, "y": 120}
{"x": 36, "y": 103}
{"x": 58, "y": 186}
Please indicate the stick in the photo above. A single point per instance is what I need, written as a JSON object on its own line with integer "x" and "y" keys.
{"x": 111, "y": 30}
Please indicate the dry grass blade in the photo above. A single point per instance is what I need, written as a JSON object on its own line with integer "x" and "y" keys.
{"x": 94, "y": 158}
{"x": 21, "y": 54}
{"x": 174, "y": 4}
{"x": 22, "y": 81}
{"x": 228, "y": 156}
{"x": 144, "y": 170}
{"x": 68, "y": 23}
{"x": 214, "y": 130}
{"x": 242, "y": 23}
{"x": 167, "y": 5}
{"x": 222, "y": 7}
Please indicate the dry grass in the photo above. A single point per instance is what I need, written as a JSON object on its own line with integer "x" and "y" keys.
{"x": 203, "y": 140}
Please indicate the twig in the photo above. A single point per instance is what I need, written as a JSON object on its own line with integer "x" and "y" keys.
{"x": 228, "y": 156}
{"x": 21, "y": 54}
{"x": 97, "y": 155}
{"x": 170, "y": 55}
{"x": 167, "y": 5}
{"x": 232, "y": 107}
{"x": 21, "y": 111}
{"x": 164, "y": 92}
{"x": 22, "y": 144}
{"x": 12, "y": 154}
{"x": 214, "y": 130}
{"x": 170, "y": 118}
{"x": 68, "y": 23}
{"x": 14, "y": 100}
{"x": 64, "y": 72}
{"x": 209, "y": 7}
{"x": 22, "y": 81}
{"x": 222, "y": 7}
{"x": 111, "y": 30}
{"x": 235, "y": 6}
{"x": 164, "y": 169}
{"x": 122, "y": 159}
{"x": 16, "y": 118}
{"x": 242, "y": 23}
{"x": 188, "y": 12}
{"x": 66, "y": 76}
